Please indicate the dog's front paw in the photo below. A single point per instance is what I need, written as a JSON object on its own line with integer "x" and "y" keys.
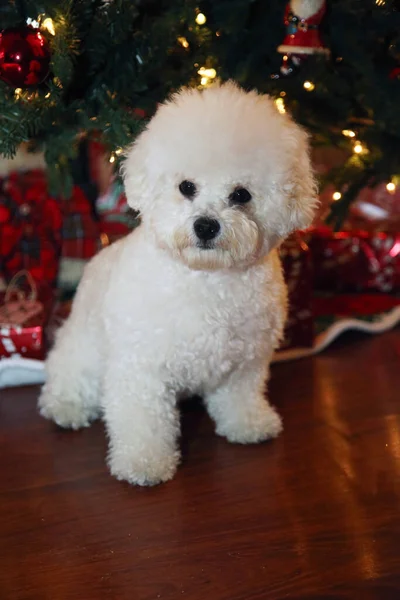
{"x": 142, "y": 470}
{"x": 65, "y": 413}
{"x": 253, "y": 426}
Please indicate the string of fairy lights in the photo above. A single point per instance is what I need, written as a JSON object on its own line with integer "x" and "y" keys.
{"x": 358, "y": 147}
{"x": 207, "y": 76}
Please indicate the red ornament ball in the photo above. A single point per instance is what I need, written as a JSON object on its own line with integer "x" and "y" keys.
{"x": 24, "y": 57}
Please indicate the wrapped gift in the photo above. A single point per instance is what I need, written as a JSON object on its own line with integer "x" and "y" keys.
{"x": 24, "y": 312}
{"x": 116, "y": 218}
{"x": 81, "y": 238}
{"x": 375, "y": 209}
{"x": 80, "y": 228}
{"x": 354, "y": 261}
{"x": 297, "y": 267}
{"x": 30, "y": 227}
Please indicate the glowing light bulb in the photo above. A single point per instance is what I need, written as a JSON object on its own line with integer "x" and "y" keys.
{"x": 391, "y": 187}
{"x": 209, "y": 73}
{"x": 118, "y": 151}
{"x": 183, "y": 42}
{"x": 280, "y": 105}
{"x": 348, "y": 133}
{"x": 201, "y": 19}
{"x": 32, "y": 22}
{"x": 358, "y": 148}
{"x": 336, "y": 195}
{"x": 17, "y": 92}
{"x": 112, "y": 158}
{"x": 48, "y": 95}
{"x": 49, "y": 26}
{"x": 309, "y": 86}
{"x": 204, "y": 80}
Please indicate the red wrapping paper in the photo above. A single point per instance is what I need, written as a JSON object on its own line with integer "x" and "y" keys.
{"x": 355, "y": 261}
{"x": 23, "y": 325}
{"x": 298, "y": 272}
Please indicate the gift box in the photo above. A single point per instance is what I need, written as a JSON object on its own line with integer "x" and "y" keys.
{"x": 30, "y": 227}
{"x": 81, "y": 238}
{"x": 355, "y": 261}
{"x": 24, "y": 312}
{"x": 298, "y": 272}
{"x": 80, "y": 228}
{"x": 375, "y": 209}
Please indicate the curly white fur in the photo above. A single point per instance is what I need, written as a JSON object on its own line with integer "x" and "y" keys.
{"x": 156, "y": 317}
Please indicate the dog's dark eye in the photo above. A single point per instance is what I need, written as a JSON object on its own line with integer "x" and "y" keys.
{"x": 187, "y": 188}
{"x": 240, "y": 196}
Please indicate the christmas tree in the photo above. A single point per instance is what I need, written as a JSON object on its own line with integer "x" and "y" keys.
{"x": 76, "y": 68}
{"x": 106, "y": 65}
{"x": 345, "y": 90}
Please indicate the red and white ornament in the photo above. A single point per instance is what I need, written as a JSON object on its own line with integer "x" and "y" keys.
{"x": 302, "y": 20}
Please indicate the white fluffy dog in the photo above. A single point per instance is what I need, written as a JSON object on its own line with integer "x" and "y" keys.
{"x": 193, "y": 301}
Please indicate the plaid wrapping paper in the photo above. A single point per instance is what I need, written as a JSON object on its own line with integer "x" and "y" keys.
{"x": 36, "y": 229}
{"x": 80, "y": 230}
{"x": 30, "y": 227}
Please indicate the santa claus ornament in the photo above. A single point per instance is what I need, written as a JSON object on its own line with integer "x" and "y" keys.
{"x": 302, "y": 20}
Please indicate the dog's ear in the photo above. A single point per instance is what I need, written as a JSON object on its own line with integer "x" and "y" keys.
{"x": 134, "y": 174}
{"x": 301, "y": 188}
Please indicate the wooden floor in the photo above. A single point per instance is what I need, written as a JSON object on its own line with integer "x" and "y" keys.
{"x": 313, "y": 515}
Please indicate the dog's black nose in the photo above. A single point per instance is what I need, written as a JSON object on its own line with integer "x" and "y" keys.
{"x": 206, "y": 229}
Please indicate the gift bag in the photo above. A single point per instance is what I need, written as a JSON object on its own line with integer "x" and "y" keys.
{"x": 25, "y": 309}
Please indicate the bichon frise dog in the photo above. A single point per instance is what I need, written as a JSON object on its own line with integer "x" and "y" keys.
{"x": 193, "y": 301}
